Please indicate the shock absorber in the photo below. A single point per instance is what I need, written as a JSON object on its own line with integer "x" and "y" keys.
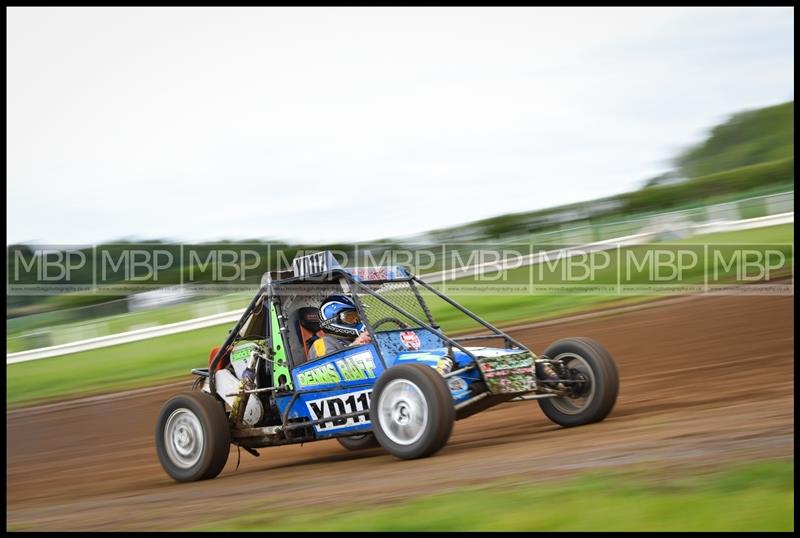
{"x": 560, "y": 368}
{"x": 546, "y": 371}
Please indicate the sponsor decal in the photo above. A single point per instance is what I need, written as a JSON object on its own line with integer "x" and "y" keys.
{"x": 242, "y": 352}
{"x": 312, "y": 316}
{"x": 357, "y": 367}
{"x": 341, "y": 404}
{"x": 444, "y": 365}
{"x": 422, "y": 356}
{"x": 512, "y": 372}
{"x": 367, "y": 273}
{"x": 410, "y": 340}
{"x": 456, "y": 384}
{"x": 321, "y": 375}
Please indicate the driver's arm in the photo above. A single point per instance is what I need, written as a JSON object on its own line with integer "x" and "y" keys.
{"x": 363, "y": 338}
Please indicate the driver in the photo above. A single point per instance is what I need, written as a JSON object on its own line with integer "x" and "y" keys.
{"x": 342, "y": 325}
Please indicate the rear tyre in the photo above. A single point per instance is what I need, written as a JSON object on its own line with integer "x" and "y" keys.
{"x": 594, "y": 399}
{"x": 412, "y": 411}
{"x": 359, "y": 442}
{"x": 193, "y": 437}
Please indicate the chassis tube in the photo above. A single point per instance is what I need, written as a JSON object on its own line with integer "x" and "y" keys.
{"x": 470, "y": 314}
{"x": 231, "y": 336}
{"x": 415, "y": 319}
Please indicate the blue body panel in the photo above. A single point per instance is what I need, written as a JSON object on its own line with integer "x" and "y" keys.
{"x": 335, "y": 384}
{"x": 341, "y": 382}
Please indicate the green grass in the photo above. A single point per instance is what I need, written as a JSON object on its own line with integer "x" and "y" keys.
{"x": 749, "y": 497}
{"x": 778, "y": 234}
{"x": 507, "y": 308}
{"x": 169, "y": 357}
{"x": 112, "y": 368}
{"x": 63, "y": 332}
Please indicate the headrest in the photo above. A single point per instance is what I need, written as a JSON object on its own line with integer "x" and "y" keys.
{"x": 308, "y": 316}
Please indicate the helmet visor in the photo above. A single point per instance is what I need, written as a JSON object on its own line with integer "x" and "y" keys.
{"x": 350, "y": 317}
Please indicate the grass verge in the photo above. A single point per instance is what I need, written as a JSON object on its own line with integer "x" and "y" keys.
{"x": 749, "y": 497}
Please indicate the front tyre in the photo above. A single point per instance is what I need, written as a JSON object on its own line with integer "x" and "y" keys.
{"x": 412, "y": 411}
{"x": 193, "y": 437}
{"x": 593, "y": 398}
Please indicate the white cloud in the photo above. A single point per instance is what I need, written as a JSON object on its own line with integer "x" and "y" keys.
{"x": 356, "y": 123}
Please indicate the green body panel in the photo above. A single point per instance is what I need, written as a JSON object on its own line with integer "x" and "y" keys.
{"x": 280, "y": 368}
{"x": 509, "y": 373}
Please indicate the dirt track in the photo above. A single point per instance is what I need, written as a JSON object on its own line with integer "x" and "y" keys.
{"x": 702, "y": 380}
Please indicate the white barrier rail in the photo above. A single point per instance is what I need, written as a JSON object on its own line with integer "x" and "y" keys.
{"x": 531, "y": 259}
{"x": 123, "y": 338}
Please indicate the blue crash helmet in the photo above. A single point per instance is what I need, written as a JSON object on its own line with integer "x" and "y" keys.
{"x": 338, "y": 316}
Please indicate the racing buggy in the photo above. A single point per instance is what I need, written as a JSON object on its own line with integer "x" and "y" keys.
{"x": 402, "y": 390}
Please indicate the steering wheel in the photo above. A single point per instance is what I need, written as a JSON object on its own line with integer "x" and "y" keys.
{"x": 381, "y": 321}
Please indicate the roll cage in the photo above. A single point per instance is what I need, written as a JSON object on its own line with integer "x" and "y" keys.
{"x": 281, "y": 349}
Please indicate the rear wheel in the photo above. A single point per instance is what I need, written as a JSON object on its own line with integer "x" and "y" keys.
{"x": 193, "y": 437}
{"x": 593, "y": 398}
{"x": 358, "y": 442}
{"x": 412, "y": 411}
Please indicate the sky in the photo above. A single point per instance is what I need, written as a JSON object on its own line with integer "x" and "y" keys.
{"x": 347, "y": 124}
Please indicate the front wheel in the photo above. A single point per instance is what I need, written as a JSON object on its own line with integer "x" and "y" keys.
{"x": 193, "y": 437}
{"x": 593, "y": 398}
{"x": 412, "y": 411}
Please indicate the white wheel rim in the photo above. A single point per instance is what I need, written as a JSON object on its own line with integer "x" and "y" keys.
{"x": 402, "y": 412}
{"x": 183, "y": 437}
{"x": 573, "y": 406}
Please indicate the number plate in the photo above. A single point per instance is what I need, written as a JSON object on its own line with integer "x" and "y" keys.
{"x": 341, "y": 404}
